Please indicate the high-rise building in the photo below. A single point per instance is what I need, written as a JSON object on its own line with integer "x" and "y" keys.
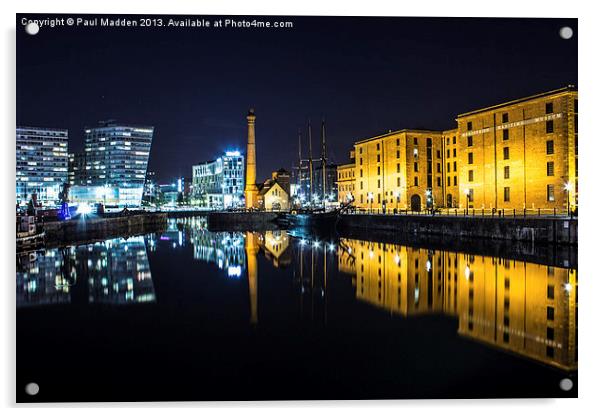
{"x": 116, "y": 158}
{"x": 219, "y": 184}
{"x": 42, "y": 162}
{"x": 329, "y": 180}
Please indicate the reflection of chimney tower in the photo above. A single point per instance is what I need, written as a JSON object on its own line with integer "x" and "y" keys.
{"x": 251, "y": 173}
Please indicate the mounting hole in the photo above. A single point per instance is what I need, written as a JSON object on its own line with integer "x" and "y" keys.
{"x": 32, "y": 389}
{"x": 566, "y": 32}
{"x": 32, "y": 28}
{"x": 566, "y": 384}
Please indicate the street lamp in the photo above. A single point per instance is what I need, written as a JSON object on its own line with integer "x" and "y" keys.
{"x": 397, "y": 195}
{"x": 568, "y": 187}
{"x": 370, "y": 198}
{"x": 467, "y": 193}
{"x": 429, "y": 199}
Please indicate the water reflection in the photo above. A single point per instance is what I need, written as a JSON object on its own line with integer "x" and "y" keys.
{"x": 115, "y": 271}
{"x": 524, "y": 308}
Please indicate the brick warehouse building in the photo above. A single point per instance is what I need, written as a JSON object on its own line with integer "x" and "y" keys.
{"x": 516, "y": 155}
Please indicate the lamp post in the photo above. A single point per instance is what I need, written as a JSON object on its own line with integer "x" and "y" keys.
{"x": 568, "y": 187}
{"x": 429, "y": 204}
{"x": 397, "y": 195}
{"x": 467, "y": 193}
{"x": 370, "y": 198}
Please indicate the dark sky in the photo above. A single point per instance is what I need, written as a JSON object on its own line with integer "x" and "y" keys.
{"x": 364, "y": 75}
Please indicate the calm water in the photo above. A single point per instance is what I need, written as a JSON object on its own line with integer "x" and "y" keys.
{"x": 196, "y": 315}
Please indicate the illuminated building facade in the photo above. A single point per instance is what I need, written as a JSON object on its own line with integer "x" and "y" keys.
{"x": 525, "y": 308}
{"x": 517, "y": 155}
{"x": 274, "y": 193}
{"x": 521, "y": 154}
{"x": 399, "y": 170}
{"x": 346, "y": 183}
{"x": 219, "y": 184}
{"x": 42, "y": 164}
{"x": 116, "y": 158}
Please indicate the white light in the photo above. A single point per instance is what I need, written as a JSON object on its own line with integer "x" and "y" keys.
{"x": 331, "y": 247}
{"x": 568, "y": 287}
{"x": 302, "y": 242}
{"x": 316, "y": 243}
{"x": 568, "y": 187}
{"x": 467, "y": 272}
{"x": 428, "y": 265}
{"x": 84, "y": 209}
{"x": 397, "y": 259}
{"x": 371, "y": 253}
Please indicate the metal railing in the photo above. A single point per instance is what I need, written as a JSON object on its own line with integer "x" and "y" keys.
{"x": 472, "y": 212}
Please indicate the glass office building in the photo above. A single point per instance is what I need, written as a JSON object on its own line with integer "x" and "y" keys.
{"x": 219, "y": 183}
{"x": 116, "y": 158}
{"x": 41, "y": 164}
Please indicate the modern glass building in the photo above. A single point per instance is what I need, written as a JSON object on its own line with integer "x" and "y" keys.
{"x": 116, "y": 158}
{"x": 220, "y": 183}
{"x": 41, "y": 164}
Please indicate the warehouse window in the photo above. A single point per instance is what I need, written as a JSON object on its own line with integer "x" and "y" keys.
{"x": 470, "y": 158}
{"x": 550, "y": 147}
{"x": 506, "y": 153}
{"x": 470, "y": 175}
{"x": 504, "y": 117}
{"x": 415, "y": 181}
{"x": 505, "y": 134}
{"x": 549, "y": 108}
{"x": 550, "y": 169}
{"x": 550, "y": 126}
{"x": 550, "y": 193}
{"x": 469, "y": 138}
{"x": 506, "y": 194}
{"x": 469, "y": 125}
{"x": 506, "y": 172}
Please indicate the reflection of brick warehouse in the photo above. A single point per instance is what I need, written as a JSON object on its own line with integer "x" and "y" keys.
{"x": 520, "y": 307}
{"x": 399, "y": 279}
{"x": 515, "y": 155}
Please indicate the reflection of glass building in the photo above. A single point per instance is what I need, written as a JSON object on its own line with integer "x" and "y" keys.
{"x": 41, "y": 164}
{"x": 116, "y": 157}
{"x": 44, "y": 277}
{"x": 526, "y": 308}
{"x": 113, "y": 271}
{"x": 219, "y": 183}
{"x": 225, "y": 249}
{"x": 118, "y": 271}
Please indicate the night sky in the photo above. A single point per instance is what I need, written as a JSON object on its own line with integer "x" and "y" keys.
{"x": 364, "y": 75}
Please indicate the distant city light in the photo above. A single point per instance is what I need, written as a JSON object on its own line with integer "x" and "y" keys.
{"x": 84, "y": 209}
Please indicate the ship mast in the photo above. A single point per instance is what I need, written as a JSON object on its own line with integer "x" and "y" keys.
{"x": 323, "y": 134}
{"x": 311, "y": 165}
